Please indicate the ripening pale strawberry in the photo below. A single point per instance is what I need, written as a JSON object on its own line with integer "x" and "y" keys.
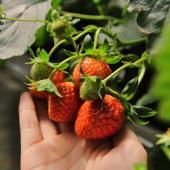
{"x": 58, "y": 77}
{"x": 92, "y": 67}
{"x": 40, "y": 70}
{"x": 94, "y": 122}
{"x": 65, "y": 108}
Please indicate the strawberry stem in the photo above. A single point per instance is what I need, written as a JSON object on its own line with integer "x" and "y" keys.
{"x": 56, "y": 46}
{"x": 65, "y": 61}
{"x": 74, "y": 38}
{"x": 89, "y": 17}
{"x": 96, "y": 37}
{"x": 24, "y": 20}
{"x": 122, "y": 68}
{"x": 114, "y": 93}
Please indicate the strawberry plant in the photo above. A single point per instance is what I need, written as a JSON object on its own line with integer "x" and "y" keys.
{"x": 90, "y": 67}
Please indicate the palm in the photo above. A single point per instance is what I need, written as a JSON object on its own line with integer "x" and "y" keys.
{"x": 58, "y": 148}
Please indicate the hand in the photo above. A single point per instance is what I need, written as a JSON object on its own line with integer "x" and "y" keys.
{"x": 47, "y": 147}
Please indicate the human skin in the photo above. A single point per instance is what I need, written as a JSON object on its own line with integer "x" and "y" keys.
{"x": 49, "y": 146}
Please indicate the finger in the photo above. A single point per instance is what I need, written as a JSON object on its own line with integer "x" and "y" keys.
{"x": 29, "y": 126}
{"x": 48, "y": 128}
{"x": 127, "y": 143}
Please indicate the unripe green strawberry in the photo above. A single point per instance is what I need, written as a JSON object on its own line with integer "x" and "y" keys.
{"x": 91, "y": 88}
{"x": 40, "y": 70}
{"x": 59, "y": 26}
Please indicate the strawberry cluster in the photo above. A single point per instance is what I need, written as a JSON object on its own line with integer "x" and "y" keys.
{"x": 82, "y": 87}
{"x": 94, "y": 117}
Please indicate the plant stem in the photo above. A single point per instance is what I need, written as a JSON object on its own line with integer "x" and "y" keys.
{"x": 113, "y": 92}
{"x": 74, "y": 38}
{"x": 88, "y": 17}
{"x": 65, "y": 61}
{"x": 84, "y": 32}
{"x": 25, "y": 20}
{"x": 55, "y": 47}
{"x": 96, "y": 37}
{"x": 122, "y": 68}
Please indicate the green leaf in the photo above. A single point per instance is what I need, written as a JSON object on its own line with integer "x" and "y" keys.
{"x": 161, "y": 82}
{"x": 69, "y": 53}
{"x": 136, "y": 120}
{"x": 113, "y": 59}
{"x": 44, "y": 56}
{"x": 2, "y": 11}
{"x": 145, "y": 100}
{"x": 151, "y": 14}
{"x": 130, "y": 89}
{"x": 2, "y": 63}
{"x": 144, "y": 112}
{"x": 166, "y": 151}
{"x": 47, "y": 85}
{"x": 128, "y": 32}
{"x": 96, "y": 1}
{"x": 31, "y": 52}
{"x": 55, "y": 3}
{"x": 141, "y": 166}
{"x": 114, "y": 81}
{"x": 42, "y": 37}
{"x": 70, "y": 31}
{"x": 105, "y": 45}
{"x": 15, "y": 36}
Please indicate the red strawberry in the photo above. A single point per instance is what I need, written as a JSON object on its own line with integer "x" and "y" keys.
{"x": 58, "y": 77}
{"x": 94, "y": 122}
{"x": 92, "y": 67}
{"x": 38, "y": 94}
{"x": 64, "y": 109}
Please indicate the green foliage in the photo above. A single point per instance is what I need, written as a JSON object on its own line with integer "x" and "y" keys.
{"x": 55, "y": 3}
{"x": 42, "y": 37}
{"x": 151, "y": 14}
{"x": 141, "y": 166}
{"x": 2, "y": 63}
{"x": 130, "y": 89}
{"x": 47, "y": 85}
{"x": 2, "y": 11}
{"x": 144, "y": 112}
{"x": 161, "y": 83}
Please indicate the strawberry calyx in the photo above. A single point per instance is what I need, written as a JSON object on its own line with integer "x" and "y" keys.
{"x": 92, "y": 88}
{"x": 44, "y": 85}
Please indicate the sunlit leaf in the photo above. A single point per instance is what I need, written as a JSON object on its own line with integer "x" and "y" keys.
{"x": 161, "y": 83}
